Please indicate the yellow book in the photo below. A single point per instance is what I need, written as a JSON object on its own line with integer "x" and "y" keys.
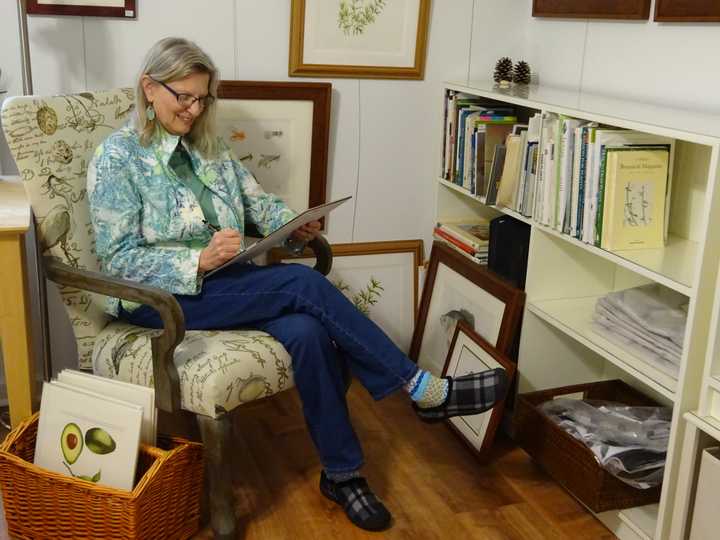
{"x": 634, "y": 202}
{"x": 511, "y": 172}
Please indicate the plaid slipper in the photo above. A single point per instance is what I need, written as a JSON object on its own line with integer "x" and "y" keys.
{"x": 361, "y": 505}
{"x": 470, "y": 394}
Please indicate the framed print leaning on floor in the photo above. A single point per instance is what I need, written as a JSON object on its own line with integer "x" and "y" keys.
{"x": 470, "y": 353}
{"x": 380, "y": 278}
{"x": 455, "y": 289}
{"x": 280, "y": 132}
{"x": 379, "y": 39}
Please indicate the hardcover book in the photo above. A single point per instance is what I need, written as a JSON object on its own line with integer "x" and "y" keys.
{"x": 634, "y": 210}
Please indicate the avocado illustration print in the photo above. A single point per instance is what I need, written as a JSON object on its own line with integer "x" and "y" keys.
{"x": 71, "y": 442}
{"x": 97, "y": 440}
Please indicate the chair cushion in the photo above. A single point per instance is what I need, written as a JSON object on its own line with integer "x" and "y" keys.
{"x": 218, "y": 371}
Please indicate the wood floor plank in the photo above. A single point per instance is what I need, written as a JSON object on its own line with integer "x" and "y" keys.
{"x": 431, "y": 482}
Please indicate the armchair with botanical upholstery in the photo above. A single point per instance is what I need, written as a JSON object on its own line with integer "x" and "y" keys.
{"x": 205, "y": 373}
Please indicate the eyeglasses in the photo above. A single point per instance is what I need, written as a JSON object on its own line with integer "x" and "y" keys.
{"x": 187, "y": 100}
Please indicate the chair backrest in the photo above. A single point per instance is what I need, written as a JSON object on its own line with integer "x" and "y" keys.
{"x": 52, "y": 140}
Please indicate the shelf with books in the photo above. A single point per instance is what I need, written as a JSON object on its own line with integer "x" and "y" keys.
{"x": 481, "y": 200}
{"x": 673, "y": 266}
{"x": 576, "y": 258}
{"x": 573, "y": 316}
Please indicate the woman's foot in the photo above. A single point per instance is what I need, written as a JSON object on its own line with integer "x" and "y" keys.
{"x": 470, "y": 394}
{"x": 361, "y": 505}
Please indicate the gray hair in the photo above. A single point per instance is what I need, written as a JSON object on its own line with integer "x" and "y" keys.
{"x": 168, "y": 60}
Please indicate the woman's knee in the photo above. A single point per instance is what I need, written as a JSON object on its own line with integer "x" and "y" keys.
{"x": 303, "y": 328}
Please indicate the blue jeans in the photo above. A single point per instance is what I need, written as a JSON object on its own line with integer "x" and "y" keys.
{"x": 318, "y": 326}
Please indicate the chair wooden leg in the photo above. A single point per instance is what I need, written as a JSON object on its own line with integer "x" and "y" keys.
{"x": 217, "y": 438}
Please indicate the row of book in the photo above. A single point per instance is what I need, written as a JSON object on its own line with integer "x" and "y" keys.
{"x": 472, "y": 133}
{"x": 605, "y": 186}
{"x": 91, "y": 427}
{"x": 470, "y": 238}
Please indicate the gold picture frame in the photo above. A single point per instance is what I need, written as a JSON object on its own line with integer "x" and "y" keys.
{"x": 380, "y": 278}
{"x": 322, "y": 50}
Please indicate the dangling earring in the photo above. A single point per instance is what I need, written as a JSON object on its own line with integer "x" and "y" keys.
{"x": 150, "y": 112}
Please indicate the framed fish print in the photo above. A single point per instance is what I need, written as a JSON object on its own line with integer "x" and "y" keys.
{"x": 458, "y": 289}
{"x": 280, "y": 132}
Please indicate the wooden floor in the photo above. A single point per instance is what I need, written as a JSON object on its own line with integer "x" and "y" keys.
{"x": 431, "y": 483}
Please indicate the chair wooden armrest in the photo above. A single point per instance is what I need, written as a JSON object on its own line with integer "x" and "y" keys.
{"x": 323, "y": 254}
{"x": 167, "y": 383}
{"x": 319, "y": 246}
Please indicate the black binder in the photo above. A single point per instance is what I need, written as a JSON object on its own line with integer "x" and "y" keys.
{"x": 508, "y": 249}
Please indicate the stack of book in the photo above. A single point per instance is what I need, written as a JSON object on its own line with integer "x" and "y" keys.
{"x": 91, "y": 427}
{"x": 473, "y": 130}
{"x": 470, "y": 237}
{"x": 607, "y": 187}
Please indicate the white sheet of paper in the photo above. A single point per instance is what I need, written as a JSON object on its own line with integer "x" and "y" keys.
{"x": 281, "y": 234}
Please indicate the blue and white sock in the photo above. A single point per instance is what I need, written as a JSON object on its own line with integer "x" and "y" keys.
{"x": 426, "y": 389}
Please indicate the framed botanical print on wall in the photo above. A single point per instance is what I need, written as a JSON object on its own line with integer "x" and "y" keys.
{"x": 86, "y": 8}
{"x": 592, "y": 9}
{"x": 687, "y": 11}
{"x": 380, "y": 278}
{"x": 379, "y": 39}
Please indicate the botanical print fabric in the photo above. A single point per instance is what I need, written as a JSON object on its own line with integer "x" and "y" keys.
{"x": 52, "y": 140}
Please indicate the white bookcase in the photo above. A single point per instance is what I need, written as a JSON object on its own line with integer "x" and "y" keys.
{"x": 566, "y": 276}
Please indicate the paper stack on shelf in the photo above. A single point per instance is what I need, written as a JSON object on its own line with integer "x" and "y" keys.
{"x": 648, "y": 321}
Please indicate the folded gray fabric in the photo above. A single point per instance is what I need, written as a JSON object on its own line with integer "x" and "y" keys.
{"x": 658, "y": 309}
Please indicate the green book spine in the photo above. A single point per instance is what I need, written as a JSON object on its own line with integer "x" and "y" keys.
{"x": 600, "y": 197}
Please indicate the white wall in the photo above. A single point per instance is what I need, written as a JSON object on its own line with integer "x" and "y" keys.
{"x": 385, "y": 137}
{"x": 667, "y": 63}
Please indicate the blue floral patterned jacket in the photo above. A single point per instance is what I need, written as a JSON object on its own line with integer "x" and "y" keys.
{"x": 149, "y": 226}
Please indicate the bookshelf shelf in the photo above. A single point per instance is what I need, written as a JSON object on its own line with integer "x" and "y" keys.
{"x": 642, "y": 519}
{"x": 573, "y": 317}
{"x": 565, "y": 278}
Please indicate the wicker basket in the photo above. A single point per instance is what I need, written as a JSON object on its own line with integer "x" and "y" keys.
{"x": 43, "y": 505}
{"x": 567, "y": 460}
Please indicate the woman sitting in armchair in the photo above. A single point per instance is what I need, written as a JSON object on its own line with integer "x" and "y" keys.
{"x": 169, "y": 203}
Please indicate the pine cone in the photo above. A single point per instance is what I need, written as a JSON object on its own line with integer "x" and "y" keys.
{"x": 521, "y": 73}
{"x": 503, "y": 70}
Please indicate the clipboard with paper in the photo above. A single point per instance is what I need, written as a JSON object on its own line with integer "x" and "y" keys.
{"x": 281, "y": 234}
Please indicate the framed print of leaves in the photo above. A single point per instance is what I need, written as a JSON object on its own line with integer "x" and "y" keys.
{"x": 375, "y": 39}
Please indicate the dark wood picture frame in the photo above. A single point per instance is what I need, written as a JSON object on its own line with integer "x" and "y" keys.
{"x": 592, "y": 9}
{"x": 512, "y": 298}
{"x": 687, "y": 11}
{"x": 463, "y": 335}
{"x": 89, "y": 9}
{"x": 321, "y": 96}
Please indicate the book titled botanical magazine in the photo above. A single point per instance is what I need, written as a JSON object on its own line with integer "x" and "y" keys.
{"x": 634, "y": 210}
{"x": 88, "y": 436}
